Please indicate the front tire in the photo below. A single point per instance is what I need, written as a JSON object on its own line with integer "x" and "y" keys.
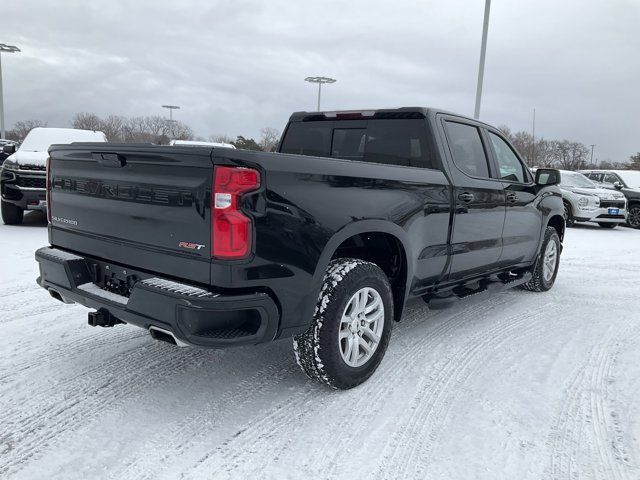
{"x": 568, "y": 215}
{"x": 546, "y": 267}
{"x": 351, "y": 326}
{"x": 633, "y": 216}
{"x": 11, "y": 214}
{"x": 608, "y": 225}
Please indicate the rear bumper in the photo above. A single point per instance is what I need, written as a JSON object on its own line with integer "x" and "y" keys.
{"x": 193, "y": 315}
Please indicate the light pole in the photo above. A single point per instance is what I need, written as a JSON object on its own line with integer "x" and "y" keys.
{"x": 171, "y": 108}
{"x": 320, "y": 81}
{"x": 533, "y": 141}
{"x": 483, "y": 49}
{"x": 4, "y": 49}
{"x": 592, "y": 147}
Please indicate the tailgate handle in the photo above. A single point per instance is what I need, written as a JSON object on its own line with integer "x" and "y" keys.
{"x": 114, "y": 160}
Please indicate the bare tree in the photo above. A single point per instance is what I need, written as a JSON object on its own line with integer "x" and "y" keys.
{"x": 112, "y": 127}
{"x": 180, "y": 131}
{"x": 506, "y": 131}
{"x": 563, "y": 154}
{"x": 22, "y": 128}
{"x": 220, "y": 138}
{"x": 269, "y": 138}
{"x": 608, "y": 164}
{"x": 86, "y": 121}
{"x": 544, "y": 153}
{"x": 571, "y": 155}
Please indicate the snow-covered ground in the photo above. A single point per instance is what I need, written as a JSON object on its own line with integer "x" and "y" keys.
{"x": 518, "y": 386}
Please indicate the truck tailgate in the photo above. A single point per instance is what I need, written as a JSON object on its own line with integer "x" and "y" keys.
{"x": 140, "y": 205}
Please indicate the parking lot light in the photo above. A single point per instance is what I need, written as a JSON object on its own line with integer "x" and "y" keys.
{"x": 320, "y": 81}
{"x": 4, "y": 49}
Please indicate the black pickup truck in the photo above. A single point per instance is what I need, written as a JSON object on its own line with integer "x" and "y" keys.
{"x": 324, "y": 241}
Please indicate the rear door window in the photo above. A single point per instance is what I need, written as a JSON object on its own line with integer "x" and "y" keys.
{"x": 398, "y": 142}
{"x": 467, "y": 149}
{"x": 308, "y": 138}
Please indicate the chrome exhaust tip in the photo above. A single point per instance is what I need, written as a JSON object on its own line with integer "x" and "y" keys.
{"x": 166, "y": 336}
{"x": 56, "y": 294}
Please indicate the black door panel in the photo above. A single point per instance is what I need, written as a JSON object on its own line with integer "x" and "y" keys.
{"x": 523, "y": 220}
{"x": 476, "y": 238}
{"x": 522, "y": 224}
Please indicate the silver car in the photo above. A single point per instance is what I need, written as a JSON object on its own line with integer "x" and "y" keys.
{"x": 586, "y": 202}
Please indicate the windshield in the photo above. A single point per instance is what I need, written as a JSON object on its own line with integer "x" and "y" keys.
{"x": 575, "y": 179}
{"x": 40, "y": 139}
{"x": 630, "y": 178}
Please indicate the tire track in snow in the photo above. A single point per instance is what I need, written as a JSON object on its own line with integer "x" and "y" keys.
{"x": 438, "y": 392}
{"x": 26, "y": 301}
{"x": 377, "y": 394}
{"x": 239, "y": 395}
{"x": 588, "y": 416}
{"x": 11, "y": 313}
{"x": 265, "y": 433}
{"x": 24, "y": 288}
{"x": 61, "y": 350}
{"x": 95, "y": 389}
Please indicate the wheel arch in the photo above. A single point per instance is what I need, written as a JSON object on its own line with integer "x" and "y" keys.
{"x": 366, "y": 240}
{"x": 557, "y": 222}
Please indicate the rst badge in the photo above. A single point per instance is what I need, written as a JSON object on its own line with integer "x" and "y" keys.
{"x": 191, "y": 246}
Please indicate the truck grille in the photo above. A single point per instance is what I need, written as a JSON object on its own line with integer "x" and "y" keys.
{"x": 611, "y": 203}
{"x": 32, "y": 182}
{"x": 37, "y": 168}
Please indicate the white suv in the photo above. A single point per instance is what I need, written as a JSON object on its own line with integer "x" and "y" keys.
{"x": 22, "y": 175}
{"x": 585, "y": 202}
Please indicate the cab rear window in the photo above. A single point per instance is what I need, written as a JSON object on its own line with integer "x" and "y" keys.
{"x": 386, "y": 141}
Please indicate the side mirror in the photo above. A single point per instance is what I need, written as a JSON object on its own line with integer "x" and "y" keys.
{"x": 618, "y": 185}
{"x": 547, "y": 176}
{"x": 9, "y": 149}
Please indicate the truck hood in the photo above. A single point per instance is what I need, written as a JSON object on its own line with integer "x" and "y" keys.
{"x": 29, "y": 158}
{"x": 602, "y": 193}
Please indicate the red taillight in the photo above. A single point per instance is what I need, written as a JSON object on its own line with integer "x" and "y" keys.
{"x": 48, "y": 185}
{"x": 231, "y": 229}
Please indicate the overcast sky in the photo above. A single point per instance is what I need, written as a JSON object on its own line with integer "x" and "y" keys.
{"x": 235, "y": 66}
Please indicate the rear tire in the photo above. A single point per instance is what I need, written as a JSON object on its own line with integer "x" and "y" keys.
{"x": 608, "y": 225}
{"x": 11, "y": 215}
{"x": 351, "y": 326}
{"x": 633, "y": 216}
{"x": 546, "y": 267}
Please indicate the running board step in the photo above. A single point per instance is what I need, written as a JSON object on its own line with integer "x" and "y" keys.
{"x": 464, "y": 293}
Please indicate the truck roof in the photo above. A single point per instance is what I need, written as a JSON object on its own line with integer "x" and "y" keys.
{"x": 39, "y": 139}
{"x": 402, "y": 112}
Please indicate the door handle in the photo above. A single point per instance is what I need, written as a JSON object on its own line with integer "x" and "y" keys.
{"x": 512, "y": 197}
{"x": 114, "y": 160}
{"x": 466, "y": 197}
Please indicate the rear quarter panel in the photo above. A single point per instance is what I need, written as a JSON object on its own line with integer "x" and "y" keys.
{"x": 308, "y": 206}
